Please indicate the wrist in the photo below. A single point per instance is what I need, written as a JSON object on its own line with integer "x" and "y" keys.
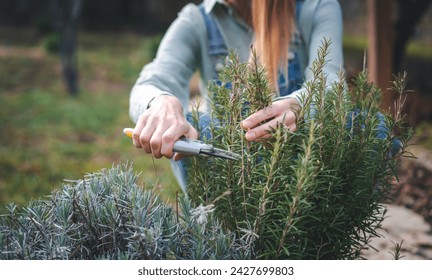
{"x": 156, "y": 97}
{"x": 167, "y": 101}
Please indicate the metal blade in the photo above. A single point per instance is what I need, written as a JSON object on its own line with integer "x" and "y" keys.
{"x": 222, "y": 154}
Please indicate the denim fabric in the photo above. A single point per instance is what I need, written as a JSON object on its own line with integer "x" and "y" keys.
{"x": 215, "y": 39}
{"x": 295, "y": 78}
{"x": 382, "y": 131}
{"x": 180, "y": 167}
{"x": 216, "y": 45}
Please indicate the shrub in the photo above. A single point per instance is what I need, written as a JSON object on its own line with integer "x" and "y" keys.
{"x": 107, "y": 215}
{"x": 316, "y": 193}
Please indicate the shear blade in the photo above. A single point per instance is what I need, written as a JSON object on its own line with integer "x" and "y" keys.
{"x": 222, "y": 154}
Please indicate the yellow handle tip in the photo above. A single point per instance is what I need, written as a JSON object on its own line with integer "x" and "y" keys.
{"x": 128, "y": 132}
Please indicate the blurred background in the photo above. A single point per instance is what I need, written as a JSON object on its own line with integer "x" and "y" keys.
{"x": 67, "y": 66}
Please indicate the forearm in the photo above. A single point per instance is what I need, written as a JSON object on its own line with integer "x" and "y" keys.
{"x": 170, "y": 72}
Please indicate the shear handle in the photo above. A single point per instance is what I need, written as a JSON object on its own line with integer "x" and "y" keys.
{"x": 183, "y": 145}
{"x": 191, "y": 147}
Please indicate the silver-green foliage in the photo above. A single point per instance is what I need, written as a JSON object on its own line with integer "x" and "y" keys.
{"x": 107, "y": 215}
{"x": 316, "y": 193}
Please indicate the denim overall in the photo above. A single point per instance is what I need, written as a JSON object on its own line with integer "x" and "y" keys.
{"x": 218, "y": 51}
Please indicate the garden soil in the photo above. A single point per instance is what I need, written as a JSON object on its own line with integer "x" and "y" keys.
{"x": 408, "y": 219}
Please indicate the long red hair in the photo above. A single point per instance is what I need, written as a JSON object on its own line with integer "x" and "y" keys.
{"x": 273, "y": 23}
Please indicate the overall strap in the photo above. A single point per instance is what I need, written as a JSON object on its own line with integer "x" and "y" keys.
{"x": 217, "y": 45}
{"x": 288, "y": 85}
{"x": 299, "y": 6}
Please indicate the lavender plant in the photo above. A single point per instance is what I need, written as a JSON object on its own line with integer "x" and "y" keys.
{"x": 316, "y": 193}
{"x": 107, "y": 215}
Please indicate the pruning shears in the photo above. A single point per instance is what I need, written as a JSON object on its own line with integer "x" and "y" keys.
{"x": 195, "y": 148}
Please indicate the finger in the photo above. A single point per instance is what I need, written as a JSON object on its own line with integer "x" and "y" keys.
{"x": 261, "y": 130}
{"x": 163, "y": 137}
{"x": 264, "y": 131}
{"x": 258, "y": 117}
{"x": 191, "y": 134}
{"x": 178, "y": 156}
{"x": 289, "y": 120}
{"x": 146, "y": 136}
{"x": 264, "y": 138}
{"x": 170, "y": 136}
{"x": 136, "y": 134}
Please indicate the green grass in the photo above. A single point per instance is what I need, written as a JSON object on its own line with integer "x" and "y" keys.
{"x": 48, "y": 136}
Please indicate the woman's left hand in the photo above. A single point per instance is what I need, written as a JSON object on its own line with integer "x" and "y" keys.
{"x": 259, "y": 124}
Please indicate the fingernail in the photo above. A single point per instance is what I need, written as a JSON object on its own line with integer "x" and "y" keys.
{"x": 250, "y": 136}
{"x": 246, "y": 124}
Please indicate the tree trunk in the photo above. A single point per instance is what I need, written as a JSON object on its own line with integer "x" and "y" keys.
{"x": 380, "y": 42}
{"x": 66, "y": 13}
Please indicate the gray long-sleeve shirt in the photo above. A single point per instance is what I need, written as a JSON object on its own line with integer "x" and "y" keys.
{"x": 184, "y": 49}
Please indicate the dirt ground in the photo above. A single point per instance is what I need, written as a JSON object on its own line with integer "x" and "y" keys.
{"x": 409, "y": 218}
{"x": 404, "y": 227}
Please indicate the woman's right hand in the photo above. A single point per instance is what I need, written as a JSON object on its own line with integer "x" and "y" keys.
{"x": 160, "y": 126}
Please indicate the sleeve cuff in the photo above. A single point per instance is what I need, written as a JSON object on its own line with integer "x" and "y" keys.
{"x": 297, "y": 95}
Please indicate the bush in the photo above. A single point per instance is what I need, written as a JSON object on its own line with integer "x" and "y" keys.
{"x": 316, "y": 193}
{"x": 108, "y": 216}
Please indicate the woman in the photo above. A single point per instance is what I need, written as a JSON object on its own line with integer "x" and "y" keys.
{"x": 286, "y": 35}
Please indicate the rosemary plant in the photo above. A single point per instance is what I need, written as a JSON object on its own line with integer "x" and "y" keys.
{"x": 316, "y": 193}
